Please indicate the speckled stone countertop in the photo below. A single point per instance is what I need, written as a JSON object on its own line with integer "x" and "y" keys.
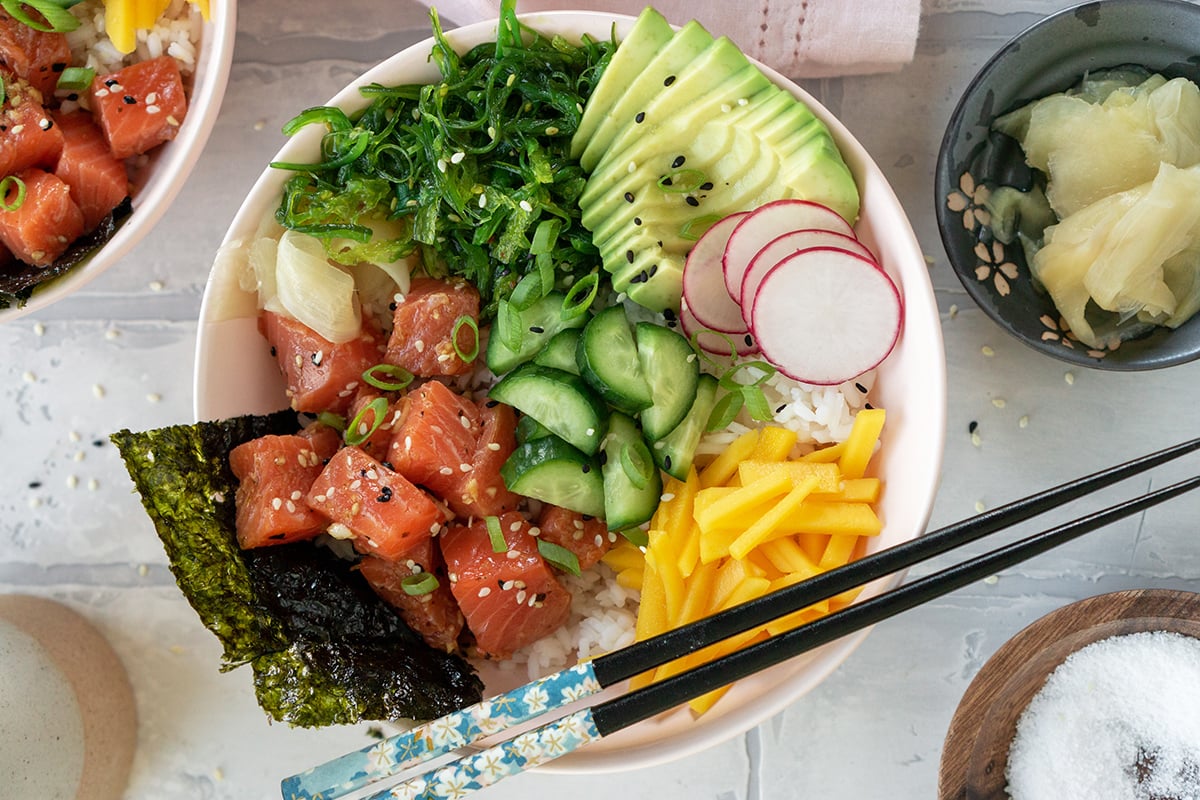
{"x": 119, "y": 354}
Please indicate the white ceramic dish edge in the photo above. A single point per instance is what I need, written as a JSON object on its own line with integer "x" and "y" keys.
{"x": 913, "y": 439}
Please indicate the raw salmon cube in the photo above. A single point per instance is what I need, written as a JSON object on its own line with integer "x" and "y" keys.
{"x": 98, "y": 180}
{"x": 362, "y": 417}
{"x": 140, "y": 106}
{"x": 481, "y": 492}
{"x": 388, "y": 516}
{"x": 423, "y": 328}
{"x": 435, "y": 438}
{"x": 587, "y": 537}
{"x": 28, "y": 135}
{"x": 434, "y": 615}
{"x": 510, "y": 599}
{"x": 36, "y": 56}
{"x": 274, "y": 474}
{"x": 45, "y": 224}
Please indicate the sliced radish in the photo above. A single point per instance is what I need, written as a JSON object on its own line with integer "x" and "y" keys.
{"x": 713, "y": 342}
{"x": 704, "y": 283}
{"x": 824, "y": 316}
{"x": 764, "y": 224}
{"x": 783, "y": 246}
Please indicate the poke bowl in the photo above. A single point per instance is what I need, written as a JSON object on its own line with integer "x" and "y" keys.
{"x": 237, "y": 374}
{"x": 123, "y": 162}
{"x": 1131, "y": 40}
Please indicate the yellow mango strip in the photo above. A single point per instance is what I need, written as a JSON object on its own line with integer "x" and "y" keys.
{"x": 789, "y": 557}
{"x": 624, "y": 556}
{"x": 203, "y": 6}
{"x": 120, "y": 21}
{"x": 853, "y": 490}
{"x": 725, "y": 465}
{"x": 856, "y": 519}
{"x": 689, "y": 551}
{"x": 757, "y": 563}
{"x": 652, "y": 610}
{"x": 148, "y": 12}
{"x": 705, "y": 701}
{"x": 829, "y": 477}
{"x": 666, "y": 564}
{"x": 813, "y": 545}
{"x": 840, "y": 601}
{"x": 774, "y": 444}
{"x": 706, "y": 497}
{"x": 825, "y": 455}
{"x": 695, "y": 603}
{"x": 838, "y": 551}
{"x": 685, "y": 528}
{"x": 714, "y": 544}
{"x": 631, "y": 578}
{"x": 768, "y": 524}
{"x": 729, "y": 574}
{"x": 732, "y": 509}
{"x": 860, "y": 444}
{"x": 750, "y": 588}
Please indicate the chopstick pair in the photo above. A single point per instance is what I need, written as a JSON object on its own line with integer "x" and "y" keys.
{"x": 432, "y": 740}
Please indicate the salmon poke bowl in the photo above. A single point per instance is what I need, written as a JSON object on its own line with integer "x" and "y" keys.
{"x": 105, "y": 107}
{"x": 497, "y": 371}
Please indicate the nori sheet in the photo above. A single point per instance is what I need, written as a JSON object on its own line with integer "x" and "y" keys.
{"x": 323, "y": 647}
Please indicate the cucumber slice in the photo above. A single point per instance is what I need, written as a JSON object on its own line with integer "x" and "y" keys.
{"x": 529, "y": 429}
{"x": 672, "y": 370}
{"x": 608, "y": 360}
{"x": 559, "y": 400}
{"x": 550, "y": 470}
{"x": 674, "y": 452}
{"x": 632, "y": 483}
{"x": 538, "y": 324}
{"x": 559, "y": 352}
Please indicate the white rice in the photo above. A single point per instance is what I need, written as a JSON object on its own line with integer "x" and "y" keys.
{"x": 177, "y": 34}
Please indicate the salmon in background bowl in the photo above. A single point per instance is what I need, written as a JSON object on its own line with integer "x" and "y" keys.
{"x": 107, "y": 108}
{"x": 237, "y": 374}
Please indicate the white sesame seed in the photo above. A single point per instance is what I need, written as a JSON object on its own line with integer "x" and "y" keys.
{"x": 172, "y": 121}
{"x": 98, "y": 390}
{"x": 457, "y": 157}
{"x": 667, "y": 497}
{"x": 297, "y": 494}
{"x": 726, "y": 108}
{"x": 521, "y": 595}
{"x": 509, "y": 81}
{"x": 987, "y": 351}
{"x": 434, "y": 528}
{"x": 355, "y": 483}
{"x": 154, "y": 397}
{"x": 980, "y": 507}
{"x": 483, "y": 201}
{"x": 599, "y": 540}
{"x": 74, "y": 436}
{"x": 632, "y": 167}
{"x": 998, "y": 402}
{"x": 155, "y": 286}
{"x": 612, "y": 536}
{"x": 152, "y": 109}
{"x": 28, "y": 377}
{"x": 742, "y": 101}
{"x": 525, "y": 206}
{"x": 1023, "y": 422}
{"x": 39, "y": 329}
{"x": 79, "y": 455}
{"x": 446, "y": 471}
{"x": 512, "y": 555}
{"x": 551, "y": 131}
{"x": 1069, "y": 378}
{"x": 464, "y": 467}
{"x": 992, "y": 580}
{"x": 493, "y": 446}
{"x": 484, "y": 591}
{"x": 491, "y": 132}
{"x": 112, "y": 333}
{"x": 441, "y": 165}
{"x": 143, "y": 570}
{"x": 277, "y": 503}
{"x": 35, "y": 501}
{"x": 976, "y": 440}
{"x": 590, "y": 432}
{"x": 419, "y": 344}
{"x": 291, "y": 507}
{"x": 72, "y": 481}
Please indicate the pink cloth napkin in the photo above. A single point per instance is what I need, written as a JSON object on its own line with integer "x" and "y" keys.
{"x": 801, "y": 38}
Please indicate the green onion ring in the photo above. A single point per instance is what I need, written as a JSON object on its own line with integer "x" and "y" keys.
{"x": 559, "y": 556}
{"x": 5, "y": 186}
{"x": 508, "y": 325}
{"x": 544, "y": 236}
{"x": 694, "y": 228}
{"x": 692, "y": 179}
{"x": 636, "y": 536}
{"x": 419, "y": 584}
{"x": 724, "y": 411}
{"x": 581, "y": 296}
{"x": 469, "y": 321}
{"x": 499, "y": 545}
{"x": 76, "y": 78}
{"x": 352, "y": 435}
{"x": 58, "y": 18}
{"x": 756, "y": 403}
{"x": 332, "y": 420}
{"x": 637, "y": 463}
{"x": 527, "y": 292}
{"x": 402, "y": 377}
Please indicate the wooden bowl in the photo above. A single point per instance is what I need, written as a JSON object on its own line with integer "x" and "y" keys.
{"x": 975, "y": 753}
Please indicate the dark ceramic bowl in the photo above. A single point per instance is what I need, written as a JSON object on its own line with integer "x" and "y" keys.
{"x": 1160, "y": 35}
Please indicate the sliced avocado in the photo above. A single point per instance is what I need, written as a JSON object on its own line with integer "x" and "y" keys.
{"x": 688, "y": 42}
{"x": 648, "y": 36}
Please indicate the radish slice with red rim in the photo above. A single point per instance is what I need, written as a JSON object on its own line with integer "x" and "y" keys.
{"x": 824, "y": 316}
{"x": 718, "y": 343}
{"x": 766, "y": 223}
{"x": 783, "y": 246}
{"x": 704, "y": 283}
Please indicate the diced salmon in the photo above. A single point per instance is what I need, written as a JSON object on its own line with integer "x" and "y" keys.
{"x": 587, "y": 537}
{"x": 325, "y": 440}
{"x": 360, "y": 420}
{"x": 423, "y": 339}
{"x": 481, "y": 492}
{"x": 45, "y": 224}
{"x": 274, "y": 473}
{"x": 36, "y": 56}
{"x": 388, "y": 516}
{"x": 139, "y": 106}
{"x": 434, "y": 615}
{"x": 320, "y": 375}
{"x": 509, "y": 599}
{"x": 28, "y": 135}
{"x": 435, "y": 438}
{"x": 98, "y": 180}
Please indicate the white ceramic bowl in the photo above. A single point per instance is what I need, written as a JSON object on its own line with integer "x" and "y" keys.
{"x": 236, "y": 375}
{"x": 159, "y": 182}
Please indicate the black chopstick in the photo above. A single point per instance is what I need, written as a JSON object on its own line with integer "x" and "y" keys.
{"x": 621, "y": 664}
{"x": 644, "y": 703}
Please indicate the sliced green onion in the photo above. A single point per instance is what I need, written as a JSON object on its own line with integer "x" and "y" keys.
{"x": 469, "y": 321}
{"x": 695, "y": 340}
{"x": 756, "y": 403}
{"x": 581, "y": 296}
{"x": 6, "y": 186}
{"x": 499, "y": 545}
{"x": 637, "y": 463}
{"x": 421, "y": 583}
{"x": 76, "y": 78}
{"x": 332, "y": 420}
{"x": 58, "y": 18}
{"x": 508, "y": 325}
{"x": 636, "y": 536}
{"x": 400, "y": 378}
{"x": 527, "y": 292}
{"x": 544, "y": 236}
{"x": 354, "y": 435}
{"x": 696, "y": 227}
{"x": 724, "y": 411}
{"x": 728, "y": 382}
{"x": 545, "y": 268}
{"x": 681, "y": 181}
{"x": 2, "y": 94}
{"x": 559, "y": 556}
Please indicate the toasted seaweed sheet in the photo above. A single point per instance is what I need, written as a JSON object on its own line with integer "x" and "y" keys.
{"x": 323, "y": 647}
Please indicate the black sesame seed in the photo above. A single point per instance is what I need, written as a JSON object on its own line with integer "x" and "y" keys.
{"x": 637, "y": 220}
{"x": 629, "y": 256}
{"x": 129, "y": 100}
{"x": 666, "y": 181}
{"x": 97, "y": 443}
{"x": 46, "y": 124}
{"x": 588, "y": 518}
{"x": 587, "y": 468}
{"x": 670, "y": 79}
{"x": 667, "y": 462}
{"x": 387, "y": 464}
{"x": 668, "y": 313}
{"x": 492, "y": 403}
{"x": 640, "y": 118}
{"x": 73, "y": 97}
{"x": 392, "y": 306}
{"x": 860, "y": 387}
{"x": 706, "y": 185}
{"x": 972, "y": 426}
{"x": 362, "y": 473}
{"x": 691, "y": 201}
{"x": 58, "y": 66}
{"x": 536, "y": 329}
{"x": 385, "y": 494}
{"x": 316, "y": 361}
{"x": 653, "y": 269}
{"x": 274, "y": 352}
{"x": 277, "y": 536}
{"x": 749, "y": 340}
{"x": 868, "y": 406}
{"x": 111, "y": 82}
{"x": 629, "y": 197}
{"x": 678, "y": 162}
{"x": 672, "y": 324}
{"x": 781, "y": 408}
{"x": 603, "y": 457}
{"x": 35, "y": 484}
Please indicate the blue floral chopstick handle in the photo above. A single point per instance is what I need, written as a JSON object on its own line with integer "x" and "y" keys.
{"x": 430, "y": 740}
{"x": 479, "y": 770}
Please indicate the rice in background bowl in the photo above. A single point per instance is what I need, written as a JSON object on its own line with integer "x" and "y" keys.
{"x": 204, "y": 52}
